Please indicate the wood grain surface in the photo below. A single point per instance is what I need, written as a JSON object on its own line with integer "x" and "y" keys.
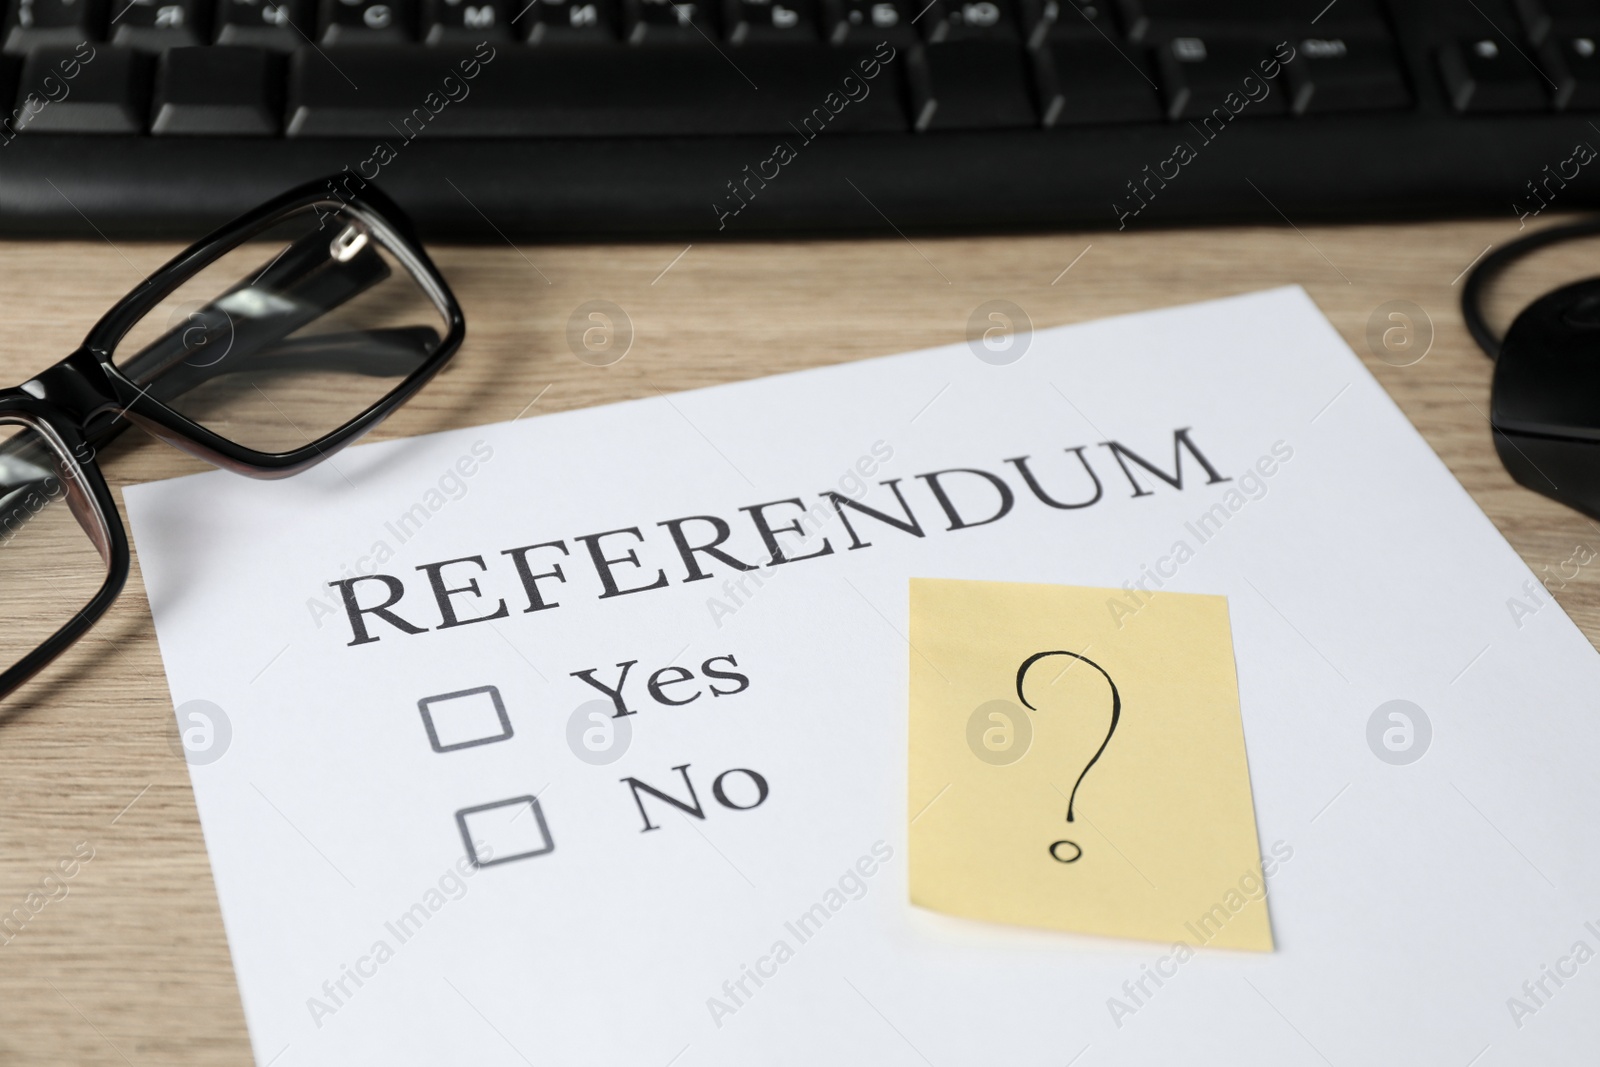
{"x": 130, "y": 965}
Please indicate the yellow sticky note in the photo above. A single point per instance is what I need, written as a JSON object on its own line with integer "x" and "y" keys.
{"x": 1078, "y": 762}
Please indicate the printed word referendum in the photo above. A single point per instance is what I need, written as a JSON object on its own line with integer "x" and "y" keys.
{"x": 625, "y": 562}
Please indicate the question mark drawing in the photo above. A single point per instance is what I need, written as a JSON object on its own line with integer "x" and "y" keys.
{"x": 1116, "y": 714}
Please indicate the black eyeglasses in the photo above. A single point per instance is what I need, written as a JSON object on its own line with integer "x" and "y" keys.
{"x": 271, "y": 344}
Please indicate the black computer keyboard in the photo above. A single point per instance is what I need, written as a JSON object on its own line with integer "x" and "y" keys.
{"x": 638, "y": 117}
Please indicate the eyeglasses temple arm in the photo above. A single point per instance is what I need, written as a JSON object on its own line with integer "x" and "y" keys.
{"x": 304, "y": 282}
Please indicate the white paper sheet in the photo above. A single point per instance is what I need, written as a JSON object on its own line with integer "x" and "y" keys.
{"x": 1410, "y": 902}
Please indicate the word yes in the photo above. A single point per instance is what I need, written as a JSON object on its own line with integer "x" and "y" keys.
{"x": 670, "y": 675}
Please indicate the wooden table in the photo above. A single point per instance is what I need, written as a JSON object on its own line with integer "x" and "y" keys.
{"x": 131, "y": 965}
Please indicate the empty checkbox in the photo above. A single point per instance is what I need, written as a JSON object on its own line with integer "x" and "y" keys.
{"x": 504, "y": 831}
{"x": 464, "y": 719}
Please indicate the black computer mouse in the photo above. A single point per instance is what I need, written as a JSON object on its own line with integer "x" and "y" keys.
{"x": 1544, "y": 405}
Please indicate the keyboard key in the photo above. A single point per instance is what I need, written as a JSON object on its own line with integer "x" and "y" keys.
{"x": 10, "y": 71}
{"x": 1552, "y": 65}
{"x": 155, "y": 25}
{"x": 669, "y": 21}
{"x": 1581, "y": 57}
{"x": 771, "y": 21}
{"x": 364, "y": 22}
{"x": 1201, "y": 77}
{"x": 871, "y": 21}
{"x": 283, "y": 25}
{"x": 1535, "y": 19}
{"x": 465, "y": 21}
{"x": 49, "y": 86}
{"x": 566, "y": 21}
{"x": 1540, "y": 18}
{"x": 1450, "y": 18}
{"x": 107, "y": 89}
{"x": 970, "y": 85}
{"x": 636, "y": 92}
{"x": 52, "y": 22}
{"x": 1485, "y": 75}
{"x": 1161, "y": 20}
{"x": 1083, "y": 82}
{"x": 221, "y": 90}
{"x": 1067, "y": 20}
{"x": 1332, "y": 74}
{"x": 971, "y": 20}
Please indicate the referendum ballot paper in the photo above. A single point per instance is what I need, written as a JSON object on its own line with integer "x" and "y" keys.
{"x": 584, "y": 738}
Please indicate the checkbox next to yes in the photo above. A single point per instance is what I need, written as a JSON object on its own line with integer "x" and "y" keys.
{"x": 464, "y": 719}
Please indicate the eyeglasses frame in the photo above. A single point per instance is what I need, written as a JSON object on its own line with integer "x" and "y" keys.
{"x": 65, "y": 402}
